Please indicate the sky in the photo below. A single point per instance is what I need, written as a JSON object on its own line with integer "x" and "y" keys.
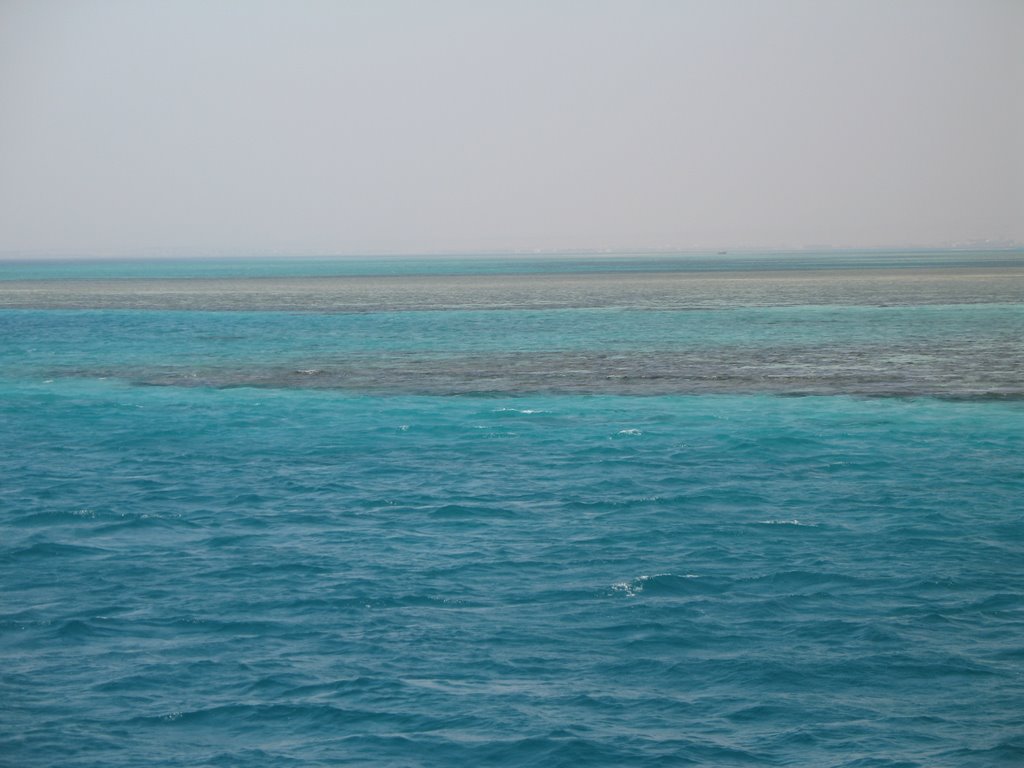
{"x": 196, "y": 127}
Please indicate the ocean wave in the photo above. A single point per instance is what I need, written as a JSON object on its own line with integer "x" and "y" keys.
{"x": 659, "y": 583}
{"x": 795, "y": 522}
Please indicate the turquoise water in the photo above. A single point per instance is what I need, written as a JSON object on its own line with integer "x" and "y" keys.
{"x": 325, "y": 266}
{"x": 580, "y": 536}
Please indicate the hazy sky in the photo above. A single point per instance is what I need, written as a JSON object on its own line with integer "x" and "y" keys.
{"x": 210, "y": 126}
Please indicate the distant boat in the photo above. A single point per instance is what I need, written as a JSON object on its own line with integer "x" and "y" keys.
{"x": 722, "y": 253}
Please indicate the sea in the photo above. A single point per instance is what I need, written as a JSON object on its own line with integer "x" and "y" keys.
{"x": 760, "y": 509}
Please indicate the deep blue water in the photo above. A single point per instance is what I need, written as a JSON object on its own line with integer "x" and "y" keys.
{"x": 461, "y": 538}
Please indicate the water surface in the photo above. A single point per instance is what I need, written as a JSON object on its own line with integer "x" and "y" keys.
{"x": 559, "y": 518}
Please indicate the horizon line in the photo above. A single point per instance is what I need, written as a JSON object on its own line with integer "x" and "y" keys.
{"x": 234, "y": 253}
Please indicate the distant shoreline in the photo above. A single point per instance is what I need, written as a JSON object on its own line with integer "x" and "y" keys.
{"x": 594, "y": 289}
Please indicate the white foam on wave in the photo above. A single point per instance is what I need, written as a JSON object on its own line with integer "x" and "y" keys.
{"x": 518, "y": 410}
{"x": 787, "y": 522}
{"x": 627, "y": 587}
{"x": 635, "y": 586}
{"x": 629, "y": 432}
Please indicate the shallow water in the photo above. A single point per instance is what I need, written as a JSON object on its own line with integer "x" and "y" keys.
{"x": 960, "y": 351}
{"x": 447, "y": 537}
